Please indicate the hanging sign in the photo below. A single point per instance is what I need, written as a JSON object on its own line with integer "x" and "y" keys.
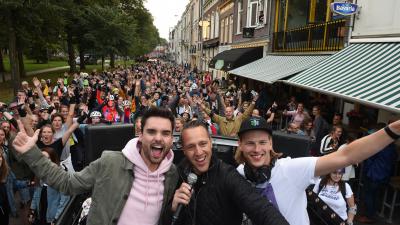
{"x": 344, "y": 8}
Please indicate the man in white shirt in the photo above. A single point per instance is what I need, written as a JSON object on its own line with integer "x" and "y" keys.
{"x": 283, "y": 181}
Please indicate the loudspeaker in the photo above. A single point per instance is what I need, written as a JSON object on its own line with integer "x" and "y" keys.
{"x": 248, "y": 32}
{"x": 106, "y": 137}
{"x": 291, "y": 144}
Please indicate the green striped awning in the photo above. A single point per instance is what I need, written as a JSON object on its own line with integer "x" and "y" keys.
{"x": 274, "y": 67}
{"x": 368, "y": 73}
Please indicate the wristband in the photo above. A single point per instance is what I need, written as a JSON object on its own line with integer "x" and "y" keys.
{"x": 391, "y": 134}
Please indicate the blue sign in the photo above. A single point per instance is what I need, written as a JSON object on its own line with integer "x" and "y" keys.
{"x": 344, "y": 8}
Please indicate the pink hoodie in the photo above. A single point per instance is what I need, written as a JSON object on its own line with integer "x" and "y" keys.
{"x": 146, "y": 196}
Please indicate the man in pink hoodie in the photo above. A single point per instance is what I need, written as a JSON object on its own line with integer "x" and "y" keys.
{"x": 128, "y": 187}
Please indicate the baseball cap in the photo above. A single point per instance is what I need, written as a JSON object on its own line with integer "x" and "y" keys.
{"x": 254, "y": 123}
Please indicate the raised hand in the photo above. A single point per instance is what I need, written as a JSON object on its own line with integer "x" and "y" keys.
{"x": 36, "y": 82}
{"x": 23, "y": 142}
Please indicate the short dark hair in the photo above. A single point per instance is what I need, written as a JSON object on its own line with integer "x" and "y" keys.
{"x": 194, "y": 124}
{"x": 57, "y": 115}
{"x": 158, "y": 112}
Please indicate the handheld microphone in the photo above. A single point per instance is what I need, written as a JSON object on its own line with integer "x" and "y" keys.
{"x": 192, "y": 179}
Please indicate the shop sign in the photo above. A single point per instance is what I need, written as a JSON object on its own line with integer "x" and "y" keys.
{"x": 344, "y": 8}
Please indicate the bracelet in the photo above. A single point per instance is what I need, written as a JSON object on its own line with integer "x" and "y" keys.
{"x": 391, "y": 134}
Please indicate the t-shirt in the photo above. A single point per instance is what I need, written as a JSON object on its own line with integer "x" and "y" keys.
{"x": 289, "y": 179}
{"x": 56, "y": 145}
{"x": 333, "y": 198}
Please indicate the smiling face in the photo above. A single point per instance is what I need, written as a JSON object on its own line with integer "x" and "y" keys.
{"x": 156, "y": 140}
{"x": 336, "y": 176}
{"x": 256, "y": 147}
{"x": 197, "y": 148}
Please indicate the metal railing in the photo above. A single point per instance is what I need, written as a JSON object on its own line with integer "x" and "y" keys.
{"x": 329, "y": 36}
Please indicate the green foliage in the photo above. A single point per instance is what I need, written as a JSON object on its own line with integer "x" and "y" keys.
{"x": 102, "y": 27}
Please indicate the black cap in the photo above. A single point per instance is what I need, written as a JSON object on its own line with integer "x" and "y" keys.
{"x": 254, "y": 123}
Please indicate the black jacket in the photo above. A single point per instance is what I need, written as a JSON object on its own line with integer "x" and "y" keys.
{"x": 221, "y": 196}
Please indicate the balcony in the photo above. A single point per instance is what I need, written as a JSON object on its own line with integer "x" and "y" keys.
{"x": 329, "y": 36}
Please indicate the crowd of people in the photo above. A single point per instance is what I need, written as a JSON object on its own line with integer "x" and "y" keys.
{"x": 161, "y": 99}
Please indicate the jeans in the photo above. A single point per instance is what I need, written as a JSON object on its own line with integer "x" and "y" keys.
{"x": 21, "y": 185}
{"x": 371, "y": 190}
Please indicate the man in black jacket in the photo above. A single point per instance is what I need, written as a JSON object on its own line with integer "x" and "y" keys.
{"x": 220, "y": 195}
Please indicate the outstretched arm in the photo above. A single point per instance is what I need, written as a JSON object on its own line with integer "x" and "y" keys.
{"x": 357, "y": 151}
{"x": 68, "y": 133}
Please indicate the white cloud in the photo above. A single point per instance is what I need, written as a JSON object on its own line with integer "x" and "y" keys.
{"x": 166, "y": 13}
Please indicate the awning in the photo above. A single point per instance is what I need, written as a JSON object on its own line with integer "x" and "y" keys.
{"x": 230, "y": 59}
{"x": 368, "y": 73}
{"x": 274, "y": 67}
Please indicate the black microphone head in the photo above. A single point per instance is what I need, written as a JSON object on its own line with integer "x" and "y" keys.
{"x": 192, "y": 179}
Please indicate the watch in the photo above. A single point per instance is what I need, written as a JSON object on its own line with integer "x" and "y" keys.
{"x": 392, "y": 134}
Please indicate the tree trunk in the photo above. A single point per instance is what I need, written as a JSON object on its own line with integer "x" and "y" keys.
{"x": 82, "y": 65}
{"x": 71, "y": 53}
{"x": 21, "y": 60}
{"x": 112, "y": 60}
{"x": 14, "y": 64}
{"x": 2, "y": 68}
{"x": 102, "y": 63}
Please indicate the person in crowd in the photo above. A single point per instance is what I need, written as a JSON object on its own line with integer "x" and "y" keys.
{"x": 337, "y": 121}
{"x": 298, "y": 115}
{"x": 377, "y": 171}
{"x": 47, "y": 204}
{"x": 255, "y": 113}
{"x": 178, "y": 124}
{"x": 330, "y": 142}
{"x": 337, "y": 194}
{"x": 220, "y": 195}
{"x": 349, "y": 171}
{"x": 47, "y": 140}
{"x": 4, "y": 203}
{"x": 141, "y": 173}
{"x": 283, "y": 181}
{"x": 320, "y": 127}
{"x": 95, "y": 117}
{"x": 229, "y": 125}
{"x": 307, "y": 128}
{"x": 294, "y": 129}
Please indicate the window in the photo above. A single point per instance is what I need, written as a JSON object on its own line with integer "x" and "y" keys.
{"x": 239, "y": 18}
{"x": 230, "y": 29}
{"x": 226, "y": 30}
{"x": 255, "y": 13}
{"x": 213, "y": 21}
{"x": 216, "y": 25}
{"x": 221, "y": 40}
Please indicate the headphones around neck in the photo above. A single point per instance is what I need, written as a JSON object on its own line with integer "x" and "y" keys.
{"x": 259, "y": 175}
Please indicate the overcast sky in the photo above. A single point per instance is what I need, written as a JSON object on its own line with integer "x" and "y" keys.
{"x": 166, "y": 13}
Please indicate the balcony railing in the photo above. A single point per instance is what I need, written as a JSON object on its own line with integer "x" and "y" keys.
{"x": 327, "y": 36}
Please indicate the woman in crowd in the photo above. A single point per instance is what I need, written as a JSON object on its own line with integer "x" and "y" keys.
{"x": 47, "y": 203}
{"x": 47, "y": 138}
{"x": 337, "y": 195}
{"x": 4, "y": 204}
